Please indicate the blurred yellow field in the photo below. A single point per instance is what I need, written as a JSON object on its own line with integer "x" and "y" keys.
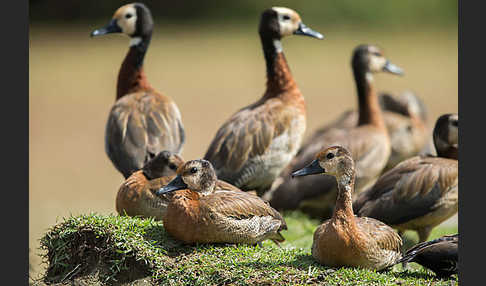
{"x": 210, "y": 73}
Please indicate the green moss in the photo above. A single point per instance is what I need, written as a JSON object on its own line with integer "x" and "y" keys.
{"x": 118, "y": 250}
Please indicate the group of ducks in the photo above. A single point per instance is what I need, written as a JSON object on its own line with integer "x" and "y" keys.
{"x": 258, "y": 162}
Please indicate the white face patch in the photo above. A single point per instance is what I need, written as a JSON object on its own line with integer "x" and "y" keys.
{"x": 369, "y": 76}
{"x": 278, "y": 45}
{"x": 135, "y": 41}
{"x": 288, "y": 20}
{"x": 376, "y": 63}
{"x": 127, "y": 19}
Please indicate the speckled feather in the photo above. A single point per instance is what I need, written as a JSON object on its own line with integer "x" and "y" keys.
{"x": 141, "y": 125}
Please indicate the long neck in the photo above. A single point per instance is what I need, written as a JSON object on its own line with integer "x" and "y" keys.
{"x": 343, "y": 209}
{"x": 279, "y": 77}
{"x": 369, "y": 107}
{"x": 131, "y": 77}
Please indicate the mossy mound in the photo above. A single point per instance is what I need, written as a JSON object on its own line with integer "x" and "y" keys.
{"x": 116, "y": 250}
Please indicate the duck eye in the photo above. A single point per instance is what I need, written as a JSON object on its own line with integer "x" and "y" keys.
{"x": 376, "y": 54}
{"x": 330, "y": 155}
{"x": 172, "y": 166}
{"x": 193, "y": 170}
{"x": 286, "y": 17}
{"x": 128, "y": 16}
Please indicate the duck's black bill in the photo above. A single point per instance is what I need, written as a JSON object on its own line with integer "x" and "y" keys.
{"x": 303, "y": 30}
{"x": 391, "y": 68}
{"x": 112, "y": 27}
{"x": 176, "y": 184}
{"x": 311, "y": 169}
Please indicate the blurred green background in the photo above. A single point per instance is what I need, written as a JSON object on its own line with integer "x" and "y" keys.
{"x": 329, "y": 12}
{"x": 206, "y": 55}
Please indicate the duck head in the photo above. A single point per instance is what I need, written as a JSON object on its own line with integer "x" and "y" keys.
{"x": 164, "y": 164}
{"x": 196, "y": 175}
{"x": 278, "y": 22}
{"x": 369, "y": 59}
{"x": 446, "y": 135}
{"x": 133, "y": 20}
{"x": 335, "y": 161}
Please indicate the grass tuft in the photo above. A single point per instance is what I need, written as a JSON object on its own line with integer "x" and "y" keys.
{"x": 119, "y": 250}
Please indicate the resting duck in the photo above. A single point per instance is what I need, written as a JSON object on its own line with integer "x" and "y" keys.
{"x": 344, "y": 239}
{"x": 368, "y": 142}
{"x": 142, "y": 122}
{"x": 136, "y": 196}
{"x": 253, "y": 146}
{"x": 439, "y": 255}
{"x": 199, "y": 214}
{"x": 421, "y": 192}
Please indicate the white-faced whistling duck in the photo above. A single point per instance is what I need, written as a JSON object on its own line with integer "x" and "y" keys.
{"x": 199, "y": 214}
{"x": 344, "y": 239}
{"x": 439, "y": 255}
{"x": 253, "y": 146}
{"x": 142, "y": 122}
{"x": 421, "y": 192}
{"x": 368, "y": 141}
{"x": 136, "y": 196}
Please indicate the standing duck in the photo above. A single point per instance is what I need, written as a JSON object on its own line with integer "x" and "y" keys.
{"x": 136, "y": 196}
{"x": 368, "y": 142}
{"x": 142, "y": 122}
{"x": 253, "y": 146}
{"x": 344, "y": 239}
{"x": 439, "y": 255}
{"x": 421, "y": 192}
{"x": 199, "y": 214}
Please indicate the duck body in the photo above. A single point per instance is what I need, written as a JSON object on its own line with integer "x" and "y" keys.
{"x": 344, "y": 239}
{"x": 368, "y": 141}
{"x": 356, "y": 244}
{"x": 439, "y": 255}
{"x": 198, "y": 213}
{"x": 417, "y": 194}
{"x": 223, "y": 217}
{"x": 253, "y": 146}
{"x": 275, "y": 131}
{"x": 137, "y": 129}
{"x": 421, "y": 192}
{"x": 142, "y": 122}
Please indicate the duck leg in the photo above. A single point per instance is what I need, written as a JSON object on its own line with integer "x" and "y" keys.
{"x": 424, "y": 233}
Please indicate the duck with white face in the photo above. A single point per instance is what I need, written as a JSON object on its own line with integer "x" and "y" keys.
{"x": 142, "y": 122}
{"x": 253, "y": 146}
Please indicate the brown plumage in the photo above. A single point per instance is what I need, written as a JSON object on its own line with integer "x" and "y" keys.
{"x": 439, "y": 255}
{"x": 368, "y": 142}
{"x": 421, "y": 192}
{"x": 136, "y": 196}
{"x": 252, "y": 147}
{"x": 344, "y": 239}
{"x": 199, "y": 214}
{"x": 142, "y": 122}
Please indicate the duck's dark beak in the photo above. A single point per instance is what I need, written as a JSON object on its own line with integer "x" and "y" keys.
{"x": 176, "y": 184}
{"x": 306, "y": 31}
{"x": 391, "y": 68}
{"x": 112, "y": 27}
{"x": 311, "y": 169}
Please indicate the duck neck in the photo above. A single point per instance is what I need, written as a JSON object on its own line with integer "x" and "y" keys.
{"x": 451, "y": 152}
{"x": 279, "y": 77}
{"x": 343, "y": 211}
{"x": 131, "y": 77}
{"x": 369, "y": 107}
